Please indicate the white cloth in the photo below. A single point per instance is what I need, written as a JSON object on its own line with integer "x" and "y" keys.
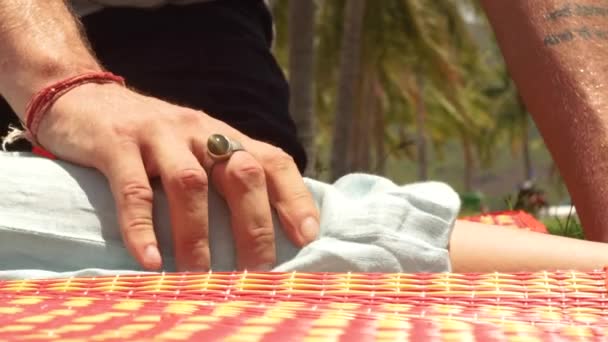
{"x": 58, "y": 217}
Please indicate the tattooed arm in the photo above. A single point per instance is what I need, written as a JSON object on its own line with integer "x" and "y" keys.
{"x": 557, "y": 53}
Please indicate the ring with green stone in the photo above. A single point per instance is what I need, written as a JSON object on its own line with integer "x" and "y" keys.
{"x": 220, "y": 147}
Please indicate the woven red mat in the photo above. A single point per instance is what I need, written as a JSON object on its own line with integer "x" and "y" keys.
{"x": 552, "y": 306}
{"x": 515, "y": 219}
{"x": 556, "y": 306}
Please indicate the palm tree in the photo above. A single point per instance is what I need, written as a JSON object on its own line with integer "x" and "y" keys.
{"x": 524, "y": 119}
{"x": 444, "y": 76}
{"x": 387, "y": 47}
{"x": 512, "y": 124}
{"x": 350, "y": 60}
{"x": 301, "y": 26}
{"x": 421, "y": 131}
{"x": 405, "y": 68}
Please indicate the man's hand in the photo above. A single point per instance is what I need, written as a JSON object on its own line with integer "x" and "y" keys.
{"x": 131, "y": 138}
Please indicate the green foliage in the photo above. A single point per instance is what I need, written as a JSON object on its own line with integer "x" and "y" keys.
{"x": 280, "y": 50}
{"x": 448, "y": 45}
{"x": 568, "y": 227}
{"x": 472, "y": 203}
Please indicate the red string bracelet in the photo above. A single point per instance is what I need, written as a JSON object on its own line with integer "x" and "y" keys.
{"x": 42, "y": 101}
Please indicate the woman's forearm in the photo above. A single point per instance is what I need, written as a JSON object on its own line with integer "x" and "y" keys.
{"x": 556, "y": 53}
{"x": 40, "y": 42}
{"x": 476, "y": 247}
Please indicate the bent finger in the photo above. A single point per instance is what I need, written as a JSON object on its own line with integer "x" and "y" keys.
{"x": 186, "y": 185}
{"x": 134, "y": 200}
{"x": 241, "y": 181}
{"x": 289, "y": 195}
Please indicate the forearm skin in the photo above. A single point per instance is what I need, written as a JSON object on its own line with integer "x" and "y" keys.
{"x": 40, "y": 43}
{"x": 556, "y": 52}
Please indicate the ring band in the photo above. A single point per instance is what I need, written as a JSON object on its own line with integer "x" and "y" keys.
{"x": 220, "y": 147}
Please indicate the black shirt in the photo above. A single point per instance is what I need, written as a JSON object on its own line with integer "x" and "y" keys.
{"x": 211, "y": 56}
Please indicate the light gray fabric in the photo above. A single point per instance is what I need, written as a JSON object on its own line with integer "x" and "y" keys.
{"x": 58, "y": 217}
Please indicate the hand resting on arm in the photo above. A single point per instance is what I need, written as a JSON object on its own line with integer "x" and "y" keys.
{"x": 130, "y": 138}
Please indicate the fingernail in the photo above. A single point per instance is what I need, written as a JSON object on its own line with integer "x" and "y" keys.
{"x": 309, "y": 229}
{"x": 152, "y": 256}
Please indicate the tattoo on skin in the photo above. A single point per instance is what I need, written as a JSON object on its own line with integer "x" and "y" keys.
{"x": 577, "y": 10}
{"x": 583, "y": 33}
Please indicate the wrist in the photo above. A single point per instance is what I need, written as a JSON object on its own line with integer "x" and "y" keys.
{"x": 21, "y": 81}
{"x": 41, "y": 43}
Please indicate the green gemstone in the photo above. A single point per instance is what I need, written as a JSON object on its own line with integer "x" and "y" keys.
{"x": 218, "y": 144}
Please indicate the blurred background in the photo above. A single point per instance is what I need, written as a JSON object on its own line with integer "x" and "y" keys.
{"x": 412, "y": 90}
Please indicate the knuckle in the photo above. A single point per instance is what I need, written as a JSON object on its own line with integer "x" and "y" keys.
{"x": 193, "y": 179}
{"x": 136, "y": 196}
{"x": 127, "y": 133}
{"x": 248, "y": 173}
{"x": 300, "y": 196}
{"x": 257, "y": 239}
{"x": 278, "y": 161}
{"x": 118, "y": 142}
{"x": 138, "y": 226}
{"x": 296, "y": 204}
{"x": 194, "y": 241}
{"x": 193, "y": 253}
{"x": 122, "y": 129}
{"x": 135, "y": 193}
{"x": 189, "y": 118}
